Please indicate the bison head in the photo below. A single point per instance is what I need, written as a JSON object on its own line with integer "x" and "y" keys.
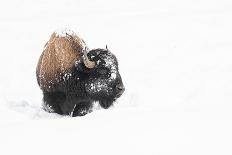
{"x": 103, "y": 82}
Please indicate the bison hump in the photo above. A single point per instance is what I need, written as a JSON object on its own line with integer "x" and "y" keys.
{"x": 60, "y": 54}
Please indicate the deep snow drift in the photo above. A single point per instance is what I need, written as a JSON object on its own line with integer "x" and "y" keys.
{"x": 175, "y": 62}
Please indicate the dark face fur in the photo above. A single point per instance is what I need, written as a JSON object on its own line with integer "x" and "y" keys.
{"x": 104, "y": 83}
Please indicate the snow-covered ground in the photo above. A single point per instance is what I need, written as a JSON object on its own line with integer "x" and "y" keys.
{"x": 175, "y": 58}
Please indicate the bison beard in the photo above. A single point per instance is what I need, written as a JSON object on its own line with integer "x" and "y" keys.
{"x": 73, "y": 92}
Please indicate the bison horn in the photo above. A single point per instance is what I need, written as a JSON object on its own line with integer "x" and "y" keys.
{"x": 89, "y": 64}
{"x": 106, "y": 47}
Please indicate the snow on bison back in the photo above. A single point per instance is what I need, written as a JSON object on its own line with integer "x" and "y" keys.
{"x": 71, "y": 77}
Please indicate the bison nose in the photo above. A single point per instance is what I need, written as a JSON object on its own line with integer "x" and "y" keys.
{"x": 120, "y": 89}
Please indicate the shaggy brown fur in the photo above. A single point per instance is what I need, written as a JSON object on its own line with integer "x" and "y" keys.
{"x": 59, "y": 56}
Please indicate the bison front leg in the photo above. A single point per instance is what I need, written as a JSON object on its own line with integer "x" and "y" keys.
{"x": 82, "y": 108}
{"x": 73, "y": 106}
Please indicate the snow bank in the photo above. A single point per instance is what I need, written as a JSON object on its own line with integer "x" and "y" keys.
{"x": 175, "y": 62}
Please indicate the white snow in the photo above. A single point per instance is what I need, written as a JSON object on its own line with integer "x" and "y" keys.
{"x": 63, "y": 32}
{"x": 174, "y": 59}
{"x": 110, "y": 63}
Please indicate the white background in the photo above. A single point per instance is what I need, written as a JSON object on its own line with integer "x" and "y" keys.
{"x": 175, "y": 58}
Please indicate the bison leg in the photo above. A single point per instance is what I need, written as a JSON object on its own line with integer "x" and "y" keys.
{"x": 82, "y": 109}
{"x": 53, "y": 100}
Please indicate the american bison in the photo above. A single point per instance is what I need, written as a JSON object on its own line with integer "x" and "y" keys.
{"x": 72, "y": 77}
